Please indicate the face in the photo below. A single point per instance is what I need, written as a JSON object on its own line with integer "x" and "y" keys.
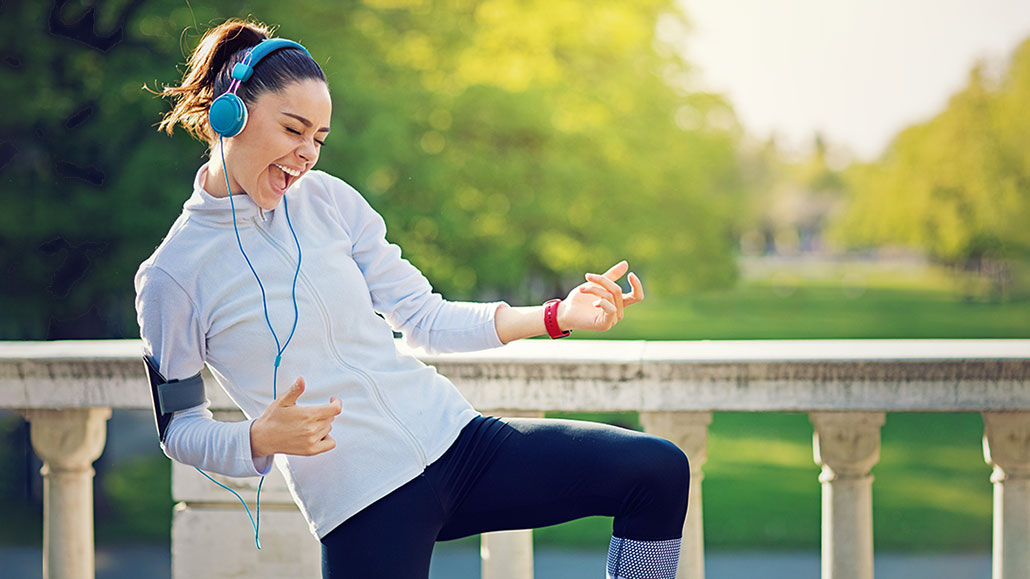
{"x": 282, "y": 140}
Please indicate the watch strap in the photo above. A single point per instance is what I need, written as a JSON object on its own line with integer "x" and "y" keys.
{"x": 551, "y": 320}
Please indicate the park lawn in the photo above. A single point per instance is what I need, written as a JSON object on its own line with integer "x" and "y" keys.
{"x": 761, "y": 490}
{"x": 762, "y": 311}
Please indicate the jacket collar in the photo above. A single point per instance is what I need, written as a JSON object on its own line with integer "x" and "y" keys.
{"x": 204, "y": 207}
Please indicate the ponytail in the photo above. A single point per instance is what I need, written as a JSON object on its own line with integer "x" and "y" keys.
{"x": 207, "y": 75}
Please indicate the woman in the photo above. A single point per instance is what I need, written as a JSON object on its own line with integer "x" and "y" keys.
{"x": 383, "y": 456}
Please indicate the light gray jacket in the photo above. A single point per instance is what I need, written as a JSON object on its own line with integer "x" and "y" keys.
{"x": 198, "y": 302}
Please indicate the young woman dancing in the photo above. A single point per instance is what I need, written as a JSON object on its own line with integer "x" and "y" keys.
{"x": 274, "y": 269}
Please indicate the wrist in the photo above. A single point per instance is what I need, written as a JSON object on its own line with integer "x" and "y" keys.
{"x": 563, "y": 322}
{"x": 257, "y": 443}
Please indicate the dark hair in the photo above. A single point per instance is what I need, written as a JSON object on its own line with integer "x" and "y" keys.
{"x": 209, "y": 70}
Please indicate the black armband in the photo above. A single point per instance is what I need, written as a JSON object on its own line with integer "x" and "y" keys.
{"x": 171, "y": 396}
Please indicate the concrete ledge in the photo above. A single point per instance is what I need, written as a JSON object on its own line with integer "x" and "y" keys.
{"x": 591, "y": 375}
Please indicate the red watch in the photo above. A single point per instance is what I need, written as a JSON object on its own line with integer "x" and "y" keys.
{"x": 551, "y": 320}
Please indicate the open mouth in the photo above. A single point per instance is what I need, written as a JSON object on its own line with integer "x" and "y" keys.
{"x": 282, "y": 177}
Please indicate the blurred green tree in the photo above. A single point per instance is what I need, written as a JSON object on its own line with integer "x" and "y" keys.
{"x": 86, "y": 183}
{"x": 510, "y": 145}
{"x": 958, "y": 185}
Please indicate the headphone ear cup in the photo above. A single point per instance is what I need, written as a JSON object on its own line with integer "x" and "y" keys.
{"x": 228, "y": 115}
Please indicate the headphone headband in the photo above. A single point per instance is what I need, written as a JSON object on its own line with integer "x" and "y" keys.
{"x": 228, "y": 114}
{"x": 243, "y": 70}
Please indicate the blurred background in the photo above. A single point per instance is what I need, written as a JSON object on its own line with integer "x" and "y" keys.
{"x": 770, "y": 169}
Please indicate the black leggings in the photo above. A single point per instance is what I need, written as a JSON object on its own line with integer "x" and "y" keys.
{"x": 516, "y": 473}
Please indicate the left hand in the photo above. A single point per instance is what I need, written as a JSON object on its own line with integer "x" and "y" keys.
{"x": 599, "y": 303}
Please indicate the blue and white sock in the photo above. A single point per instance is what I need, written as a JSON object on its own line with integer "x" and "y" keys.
{"x": 631, "y": 559}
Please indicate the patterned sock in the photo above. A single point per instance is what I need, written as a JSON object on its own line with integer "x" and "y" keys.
{"x": 630, "y": 559}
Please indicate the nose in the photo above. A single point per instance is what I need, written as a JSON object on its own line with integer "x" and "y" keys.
{"x": 308, "y": 152}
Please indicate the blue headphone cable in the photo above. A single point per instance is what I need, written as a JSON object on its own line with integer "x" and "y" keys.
{"x": 256, "y": 522}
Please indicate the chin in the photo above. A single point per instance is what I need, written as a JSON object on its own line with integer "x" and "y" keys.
{"x": 267, "y": 200}
{"x": 268, "y": 205}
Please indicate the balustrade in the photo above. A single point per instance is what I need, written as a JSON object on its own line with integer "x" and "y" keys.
{"x": 66, "y": 390}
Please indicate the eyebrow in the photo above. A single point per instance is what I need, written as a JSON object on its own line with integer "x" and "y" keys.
{"x": 306, "y": 122}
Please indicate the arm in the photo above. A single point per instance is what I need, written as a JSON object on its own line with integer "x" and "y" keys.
{"x": 403, "y": 295}
{"x": 597, "y": 304}
{"x": 197, "y": 439}
{"x": 173, "y": 336}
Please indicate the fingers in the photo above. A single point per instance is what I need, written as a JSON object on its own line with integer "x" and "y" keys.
{"x": 636, "y": 286}
{"x": 320, "y": 424}
{"x": 321, "y": 432}
{"x": 605, "y": 301}
{"x": 616, "y": 271}
{"x": 607, "y": 306}
{"x": 296, "y": 429}
{"x": 291, "y": 396}
{"x": 637, "y": 295}
{"x": 612, "y": 287}
{"x": 327, "y": 411}
{"x": 597, "y": 290}
{"x": 324, "y": 445}
{"x": 613, "y": 301}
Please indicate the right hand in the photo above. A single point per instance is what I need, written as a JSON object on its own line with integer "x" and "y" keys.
{"x": 287, "y": 428}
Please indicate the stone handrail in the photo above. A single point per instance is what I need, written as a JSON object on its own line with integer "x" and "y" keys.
{"x": 66, "y": 391}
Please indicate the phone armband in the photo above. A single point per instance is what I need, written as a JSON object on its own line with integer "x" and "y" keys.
{"x": 171, "y": 396}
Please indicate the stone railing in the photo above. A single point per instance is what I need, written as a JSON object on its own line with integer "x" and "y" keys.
{"x": 66, "y": 391}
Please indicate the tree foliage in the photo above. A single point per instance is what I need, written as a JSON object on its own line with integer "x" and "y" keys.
{"x": 957, "y": 185}
{"x": 510, "y": 145}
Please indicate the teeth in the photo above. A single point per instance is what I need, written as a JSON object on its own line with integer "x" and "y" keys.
{"x": 288, "y": 171}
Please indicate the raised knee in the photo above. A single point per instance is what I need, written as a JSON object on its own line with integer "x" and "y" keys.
{"x": 677, "y": 464}
{"x": 667, "y": 464}
{"x": 656, "y": 506}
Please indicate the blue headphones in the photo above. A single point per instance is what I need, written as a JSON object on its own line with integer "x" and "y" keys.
{"x": 228, "y": 114}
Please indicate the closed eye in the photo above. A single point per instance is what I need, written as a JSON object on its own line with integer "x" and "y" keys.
{"x": 296, "y": 132}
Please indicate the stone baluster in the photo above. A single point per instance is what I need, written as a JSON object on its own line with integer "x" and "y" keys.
{"x": 847, "y": 445}
{"x": 68, "y": 441}
{"x": 508, "y": 554}
{"x": 1007, "y": 449}
{"x": 213, "y": 538}
{"x": 689, "y": 431}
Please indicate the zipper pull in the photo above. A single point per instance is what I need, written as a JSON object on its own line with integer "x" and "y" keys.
{"x": 262, "y": 213}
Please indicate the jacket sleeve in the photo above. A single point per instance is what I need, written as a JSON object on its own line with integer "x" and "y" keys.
{"x": 404, "y": 296}
{"x": 172, "y": 334}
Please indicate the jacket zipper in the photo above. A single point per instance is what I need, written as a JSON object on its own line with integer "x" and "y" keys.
{"x": 370, "y": 384}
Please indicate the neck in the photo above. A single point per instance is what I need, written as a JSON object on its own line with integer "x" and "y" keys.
{"x": 214, "y": 179}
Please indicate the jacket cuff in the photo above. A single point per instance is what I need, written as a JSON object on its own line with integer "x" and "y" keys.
{"x": 493, "y": 336}
{"x": 258, "y": 466}
{"x": 484, "y": 335}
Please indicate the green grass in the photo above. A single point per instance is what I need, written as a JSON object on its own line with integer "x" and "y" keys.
{"x": 761, "y": 489}
{"x": 759, "y": 311}
{"x": 139, "y": 493}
